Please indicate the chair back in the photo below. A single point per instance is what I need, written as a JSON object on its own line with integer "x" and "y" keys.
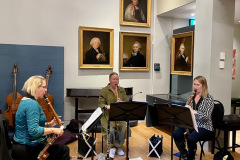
{"x": 5, "y": 143}
{"x": 217, "y": 114}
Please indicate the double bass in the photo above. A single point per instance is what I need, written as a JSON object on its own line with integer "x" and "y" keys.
{"x": 42, "y": 102}
{"x": 13, "y": 99}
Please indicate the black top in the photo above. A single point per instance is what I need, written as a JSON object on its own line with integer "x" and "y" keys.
{"x": 136, "y": 61}
{"x": 90, "y": 56}
{"x": 195, "y": 106}
{"x": 181, "y": 64}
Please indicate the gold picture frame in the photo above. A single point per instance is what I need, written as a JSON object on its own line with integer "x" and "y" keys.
{"x": 131, "y": 16}
{"x": 90, "y": 57}
{"x": 130, "y": 61}
{"x": 182, "y": 54}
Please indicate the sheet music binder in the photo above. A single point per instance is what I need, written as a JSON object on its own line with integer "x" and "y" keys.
{"x": 92, "y": 120}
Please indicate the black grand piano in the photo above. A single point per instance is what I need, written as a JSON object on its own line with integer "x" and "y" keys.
{"x": 151, "y": 116}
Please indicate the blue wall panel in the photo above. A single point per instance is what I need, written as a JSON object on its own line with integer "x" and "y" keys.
{"x": 32, "y": 60}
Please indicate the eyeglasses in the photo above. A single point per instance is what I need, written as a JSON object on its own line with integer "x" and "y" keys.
{"x": 45, "y": 87}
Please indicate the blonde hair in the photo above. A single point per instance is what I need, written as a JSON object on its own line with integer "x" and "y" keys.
{"x": 32, "y": 84}
{"x": 203, "y": 81}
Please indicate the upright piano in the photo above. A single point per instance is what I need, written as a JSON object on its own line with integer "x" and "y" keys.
{"x": 89, "y": 93}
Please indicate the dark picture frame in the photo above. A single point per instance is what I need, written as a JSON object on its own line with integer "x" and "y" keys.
{"x": 135, "y": 16}
{"x": 182, "y": 63}
{"x": 142, "y": 62}
{"x": 86, "y": 35}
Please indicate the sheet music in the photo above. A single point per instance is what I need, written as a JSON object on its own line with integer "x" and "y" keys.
{"x": 139, "y": 158}
{"x": 98, "y": 112}
{"x": 193, "y": 117}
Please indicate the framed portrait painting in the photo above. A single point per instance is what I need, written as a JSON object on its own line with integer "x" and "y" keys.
{"x": 134, "y": 51}
{"x": 95, "y": 47}
{"x": 182, "y": 54}
{"x": 135, "y": 12}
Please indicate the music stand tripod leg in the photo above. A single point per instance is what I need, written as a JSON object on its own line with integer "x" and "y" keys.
{"x": 172, "y": 140}
{"x": 127, "y": 138}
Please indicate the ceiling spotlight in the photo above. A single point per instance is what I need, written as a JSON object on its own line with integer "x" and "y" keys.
{"x": 192, "y": 14}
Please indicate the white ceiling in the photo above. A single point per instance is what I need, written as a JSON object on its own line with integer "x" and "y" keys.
{"x": 188, "y": 12}
{"x": 183, "y": 12}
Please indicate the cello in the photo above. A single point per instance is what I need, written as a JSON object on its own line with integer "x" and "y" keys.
{"x": 13, "y": 99}
{"x": 42, "y": 102}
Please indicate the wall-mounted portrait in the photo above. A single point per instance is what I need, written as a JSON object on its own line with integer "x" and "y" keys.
{"x": 135, "y": 12}
{"x": 95, "y": 47}
{"x": 182, "y": 54}
{"x": 134, "y": 51}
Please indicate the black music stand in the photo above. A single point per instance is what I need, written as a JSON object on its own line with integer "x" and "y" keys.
{"x": 125, "y": 111}
{"x": 174, "y": 115}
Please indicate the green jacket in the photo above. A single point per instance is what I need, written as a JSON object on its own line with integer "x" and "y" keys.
{"x": 107, "y": 98}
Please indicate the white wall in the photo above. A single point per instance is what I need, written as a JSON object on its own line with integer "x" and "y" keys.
{"x": 214, "y": 34}
{"x": 56, "y": 22}
{"x": 162, "y": 51}
{"x": 167, "y": 5}
{"x": 236, "y": 45}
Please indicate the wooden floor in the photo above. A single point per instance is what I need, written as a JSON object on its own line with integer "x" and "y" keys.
{"x": 139, "y": 146}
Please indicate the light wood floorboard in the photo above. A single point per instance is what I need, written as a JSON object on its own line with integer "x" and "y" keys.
{"x": 139, "y": 146}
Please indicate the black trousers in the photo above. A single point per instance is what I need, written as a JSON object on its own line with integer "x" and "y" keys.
{"x": 25, "y": 152}
{"x": 193, "y": 138}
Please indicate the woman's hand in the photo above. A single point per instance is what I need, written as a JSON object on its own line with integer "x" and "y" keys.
{"x": 191, "y": 109}
{"x": 108, "y": 107}
{"x": 119, "y": 99}
{"x": 194, "y": 112}
{"x": 54, "y": 122}
{"x": 58, "y": 131}
{"x": 188, "y": 107}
